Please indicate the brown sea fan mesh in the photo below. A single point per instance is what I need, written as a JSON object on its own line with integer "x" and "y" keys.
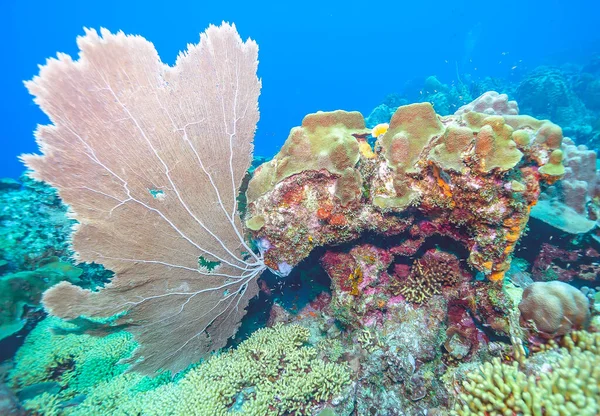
{"x": 150, "y": 158}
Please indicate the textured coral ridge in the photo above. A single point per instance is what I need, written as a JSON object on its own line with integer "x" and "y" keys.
{"x": 473, "y": 176}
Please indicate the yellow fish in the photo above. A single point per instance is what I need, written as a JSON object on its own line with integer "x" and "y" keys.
{"x": 379, "y": 129}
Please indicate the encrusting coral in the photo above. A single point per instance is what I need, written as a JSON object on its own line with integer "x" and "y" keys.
{"x": 475, "y": 175}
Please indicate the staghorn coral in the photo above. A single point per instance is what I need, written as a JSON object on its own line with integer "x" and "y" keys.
{"x": 475, "y": 176}
{"x": 131, "y": 160}
{"x": 55, "y": 351}
{"x": 428, "y": 275}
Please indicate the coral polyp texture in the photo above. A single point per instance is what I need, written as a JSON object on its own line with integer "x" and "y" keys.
{"x": 473, "y": 176}
{"x": 556, "y": 382}
{"x": 429, "y": 274}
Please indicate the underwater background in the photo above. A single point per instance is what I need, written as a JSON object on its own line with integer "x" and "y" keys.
{"x": 421, "y": 264}
{"x": 313, "y": 55}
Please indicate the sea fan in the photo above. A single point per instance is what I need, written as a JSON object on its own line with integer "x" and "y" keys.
{"x": 150, "y": 159}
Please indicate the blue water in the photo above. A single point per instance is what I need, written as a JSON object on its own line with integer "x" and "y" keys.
{"x": 314, "y": 55}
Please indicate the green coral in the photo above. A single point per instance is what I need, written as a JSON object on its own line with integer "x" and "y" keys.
{"x": 554, "y": 167}
{"x": 255, "y": 223}
{"x": 448, "y": 154}
{"x": 271, "y": 373}
{"x": 325, "y": 141}
{"x": 25, "y": 288}
{"x": 78, "y": 362}
{"x": 571, "y": 387}
{"x": 412, "y": 127}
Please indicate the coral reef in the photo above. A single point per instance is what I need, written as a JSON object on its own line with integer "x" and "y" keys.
{"x": 400, "y": 348}
{"x": 56, "y": 352}
{"x": 399, "y": 235}
{"x": 491, "y": 103}
{"x": 21, "y": 292}
{"x": 573, "y": 204}
{"x": 566, "y": 263}
{"x": 274, "y": 372}
{"x": 35, "y": 252}
{"x": 500, "y": 389}
{"x": 549, "y": 92}
{"x": 466, "y": 173}
{"x": 429, "y": 274}
{"x": 31, "y": 210}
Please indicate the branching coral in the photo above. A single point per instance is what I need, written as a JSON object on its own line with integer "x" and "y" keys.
{"x": 500, "y": 389}
{"x": 429, "y": 275}
{"x": 568, "y": 384}
{"x": 56, "y": 352}
{"x": 271, "y": 373}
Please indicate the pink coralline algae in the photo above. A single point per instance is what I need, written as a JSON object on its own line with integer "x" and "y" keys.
{"x": 370, "y": 285}
{"x": 472, "y": 177}
{"x": 555, "y": 263}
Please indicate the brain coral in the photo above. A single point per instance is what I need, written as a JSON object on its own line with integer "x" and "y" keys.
{"x": 555, "y": 308}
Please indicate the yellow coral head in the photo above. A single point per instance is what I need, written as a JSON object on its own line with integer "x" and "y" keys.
{"x": 379, "y": 129}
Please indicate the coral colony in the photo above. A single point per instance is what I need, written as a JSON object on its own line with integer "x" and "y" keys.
{"x": 415, "y": 220}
